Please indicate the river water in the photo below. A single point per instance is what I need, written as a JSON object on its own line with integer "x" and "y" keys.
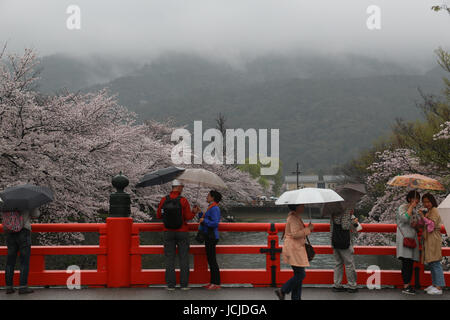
{"x": 251, "y": 261}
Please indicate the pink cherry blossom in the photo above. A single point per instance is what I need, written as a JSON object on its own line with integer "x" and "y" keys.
{"x": 76, "y": 143}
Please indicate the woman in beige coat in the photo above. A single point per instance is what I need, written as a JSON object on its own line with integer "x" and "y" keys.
{"x": 432, "y": 243}
{"x": 294, "y": 252}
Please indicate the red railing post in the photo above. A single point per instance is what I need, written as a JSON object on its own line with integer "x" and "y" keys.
{"x": 419, "y": 268}
{"x": 102, "y": 262}
{"x": 118, "y": 231}
{"x": 136, "y": 259}
{"x": 273, "y": 264}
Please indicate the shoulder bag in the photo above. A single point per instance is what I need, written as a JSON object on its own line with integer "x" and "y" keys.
{"x": 407, "y": 242}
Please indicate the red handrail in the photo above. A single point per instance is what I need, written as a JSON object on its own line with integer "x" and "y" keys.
{"x": 119, "y": 256}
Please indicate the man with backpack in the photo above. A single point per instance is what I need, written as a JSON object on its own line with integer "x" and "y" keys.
{"x": 342, "y": 224}
{"x": 175, "y": 211}
{"x": 17, "y": 227}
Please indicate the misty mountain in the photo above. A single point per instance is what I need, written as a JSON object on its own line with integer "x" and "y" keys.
{"x": 327, "y": 110}
{"x": 59, "y": 71}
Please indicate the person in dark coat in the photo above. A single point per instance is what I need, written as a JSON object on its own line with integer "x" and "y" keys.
{"x": 20, "y": 242}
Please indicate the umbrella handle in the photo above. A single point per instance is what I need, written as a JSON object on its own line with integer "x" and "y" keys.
{"x": 196, "y": 196}
{"x": 309, "y": 212}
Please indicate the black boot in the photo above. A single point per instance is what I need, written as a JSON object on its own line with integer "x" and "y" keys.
{"x": 25, "y": 290}
{"x": 279, "y": 294}
{"x": 10, "y": 290}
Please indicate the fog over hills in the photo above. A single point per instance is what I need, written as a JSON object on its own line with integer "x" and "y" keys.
{"x": 326, "y": 107}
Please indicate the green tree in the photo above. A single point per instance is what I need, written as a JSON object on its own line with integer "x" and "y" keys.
{"x": 418, "y": 136}
{"x": 265, "y": 181}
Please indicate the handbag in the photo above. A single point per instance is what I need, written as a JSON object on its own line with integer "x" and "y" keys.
{"x": 309, "y": 250}
{"x": 200, "y": 237}
{"x": 408, "y": 242}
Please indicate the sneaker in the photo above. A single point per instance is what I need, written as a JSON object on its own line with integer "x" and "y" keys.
{"x": 214, "y": 287}
{"x": 10, "y": 290}
{"x": 428, "y": 288}
{"x": 280, "y": 294}
{"x": 185, "y": 288}
{"x": 409, "y": 290}
{"x": 434, "y": 291}
{"x": 170, "y": 288}
{"x": 207, "y": 286}
{"x": 339, "y": 289}
{"x": 352, "y": 290}
{"x": 25, "y": 290}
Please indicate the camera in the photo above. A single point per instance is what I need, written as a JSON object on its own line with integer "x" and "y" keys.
{"x": 356, "y": 225}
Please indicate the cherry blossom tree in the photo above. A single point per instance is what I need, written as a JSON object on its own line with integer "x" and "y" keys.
{"x": 384, "y": 200}
{"x": 76, "y": 143}
{"x": 444, "y": 133}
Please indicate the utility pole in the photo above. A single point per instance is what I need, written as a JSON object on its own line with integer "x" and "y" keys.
{"x": 297, "y": 173}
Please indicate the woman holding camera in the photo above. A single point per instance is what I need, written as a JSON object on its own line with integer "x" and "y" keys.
{"x": 406, "y": 218}
{"x": 294, "y": 252}
{"x": 432, "y": 247}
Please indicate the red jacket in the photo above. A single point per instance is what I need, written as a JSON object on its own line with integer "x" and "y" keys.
{"x": 185, "y": 210}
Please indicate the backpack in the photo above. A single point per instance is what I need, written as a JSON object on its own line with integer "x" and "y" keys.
{"x": 340, "y": 238}
{"x": 12, "y": 221}
{"x": 172, "y": 213}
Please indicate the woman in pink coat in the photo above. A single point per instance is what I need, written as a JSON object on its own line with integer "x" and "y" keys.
{"x": 294, "y": 252}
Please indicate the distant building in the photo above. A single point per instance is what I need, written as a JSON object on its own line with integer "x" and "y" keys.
{"x": 313, "y": 181}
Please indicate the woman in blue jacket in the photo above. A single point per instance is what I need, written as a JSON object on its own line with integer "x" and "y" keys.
{"x": 209, "y": 224}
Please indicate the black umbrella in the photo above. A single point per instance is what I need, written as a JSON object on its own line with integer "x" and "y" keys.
{"x": 25, "y": 197}
{"x": 160, "y": 176}
{"x": 351, "y": 193}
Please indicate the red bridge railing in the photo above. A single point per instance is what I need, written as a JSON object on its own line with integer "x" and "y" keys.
{"x": 119, "y": 257}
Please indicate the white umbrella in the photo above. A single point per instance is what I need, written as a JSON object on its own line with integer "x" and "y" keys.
{"x": 202, "y": 177}
{"x": 308, "y": 196}
{"x": 444, "y": 212}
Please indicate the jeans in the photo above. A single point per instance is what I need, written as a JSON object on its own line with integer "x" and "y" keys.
{"x": 437, "y": 274}
{"x": 295, "y": 283}
{"x": 210, "y": 247}
{"x": 18, "y": 242}
{"x": 172, "y": 239}
{"x": 407, "y": 269}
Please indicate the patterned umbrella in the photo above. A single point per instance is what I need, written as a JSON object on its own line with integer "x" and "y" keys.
{"x": 416, "y": 181}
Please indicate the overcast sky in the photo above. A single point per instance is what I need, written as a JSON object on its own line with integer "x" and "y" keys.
{"x": 229, "y": 29}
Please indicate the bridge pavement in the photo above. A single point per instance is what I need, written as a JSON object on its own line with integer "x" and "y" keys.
{"x": 226, "y": 293}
